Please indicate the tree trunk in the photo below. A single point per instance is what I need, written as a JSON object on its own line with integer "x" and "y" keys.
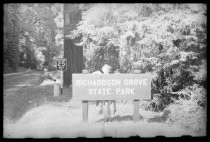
{"x": 73, "y": 53}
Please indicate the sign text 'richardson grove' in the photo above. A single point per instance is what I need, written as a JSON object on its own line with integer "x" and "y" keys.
{"x": 111, "y": 82}
{"x": 111, "y": 86}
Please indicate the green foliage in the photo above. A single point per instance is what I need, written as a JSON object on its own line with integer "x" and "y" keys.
{"x": 13, "y": 53}
{"x": 44, "y": 27}
{"x": 189, "y": 117}
{"x": 189, "y": 111}
{"x": 34, "y": 23}
{"x": 167, "y": 40}
{"x": 190, "y": 114}
{"x": 149, "y": 36}
{"x": 11, "y": 48}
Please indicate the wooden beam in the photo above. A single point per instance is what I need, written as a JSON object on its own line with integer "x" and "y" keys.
{"x": 136, "y": 104}
{"x": 84, "y": 111}
{"x": 136, "y": 111}
{"x": 84, "y": 105}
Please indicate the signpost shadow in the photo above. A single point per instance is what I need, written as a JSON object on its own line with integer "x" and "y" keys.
{"x": 119, "y": 118}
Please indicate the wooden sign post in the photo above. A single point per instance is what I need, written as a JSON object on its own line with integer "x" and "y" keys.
{"x": 94, "y": 87}
{"x": 62, "y": 66}
{"x": 61, "y": 81}
{"x": 136, "y": 104}
{"x": 85, "y": 105}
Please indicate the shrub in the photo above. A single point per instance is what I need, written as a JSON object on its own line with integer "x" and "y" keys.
{"x": 189, "y": 114}
{"x": 145, "y": 105}
{"x": 157, "y": 104}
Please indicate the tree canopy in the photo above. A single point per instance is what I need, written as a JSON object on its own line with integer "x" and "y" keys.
{"x": 167, "y": 40}
{"x": 36, "y": 34}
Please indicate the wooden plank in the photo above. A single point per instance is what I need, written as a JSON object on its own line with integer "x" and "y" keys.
{"x": 136, "y": 111}
{"x": 85, "y": 111}
{"x": 85, "y": 71}
{"x": 109, "y": 110}
{"x": 84, "y": 105}
{"x": 136, "y": 71}
{"x": 136, "y": 104}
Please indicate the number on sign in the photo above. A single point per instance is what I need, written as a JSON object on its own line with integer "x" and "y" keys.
{"x": 61, "y": 64}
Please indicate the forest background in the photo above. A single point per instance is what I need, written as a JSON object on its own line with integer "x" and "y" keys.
{"x": 167, "y": 40}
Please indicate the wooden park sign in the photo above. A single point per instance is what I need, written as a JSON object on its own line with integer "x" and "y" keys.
{"x": 92, "y": 87}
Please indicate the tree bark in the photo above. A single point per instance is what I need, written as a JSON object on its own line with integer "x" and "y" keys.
{"x": 73, "y": 53}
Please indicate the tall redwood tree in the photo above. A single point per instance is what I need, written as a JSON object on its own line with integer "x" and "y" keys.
{"x": 73, "y": 53}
